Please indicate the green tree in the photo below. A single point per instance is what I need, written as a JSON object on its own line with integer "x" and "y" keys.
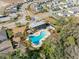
{"x": 9, "y": 33}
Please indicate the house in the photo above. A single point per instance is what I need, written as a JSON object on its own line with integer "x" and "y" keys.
{"x": 70, "y": 3}
{"x": 2, "y": 7}
{"x": 13, "y": 1}
{"x": 13, "y": 8}
{"x": 56, "y": 2}
{"x": 28, "y": 0}
{"x": 6, "y": 3}
{"x": 6, "y": 47}
{"x": 40, "y": 25}
{"x": 4, "y": 19}
{"x": 78, "y": 2}
{"x": 3, "y": 35}
{"x": 35, "y": 24}
{"x": 41, "y": 1}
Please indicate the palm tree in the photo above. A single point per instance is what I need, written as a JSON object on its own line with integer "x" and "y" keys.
{"x": 28, "y": 18}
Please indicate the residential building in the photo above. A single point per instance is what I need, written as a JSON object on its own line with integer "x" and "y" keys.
{"x": 28, "y": 0}
{"x": 40, "y": 25}
{"x": 70, "y": 3}
{"x": 3, "y": 19}
{"x": 6, "y": 47}
{"x": 3, "y": 35}
{"x": 13, "y": 1}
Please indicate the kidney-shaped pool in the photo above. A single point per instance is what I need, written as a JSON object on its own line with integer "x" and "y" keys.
{"x": 36, "y": 39}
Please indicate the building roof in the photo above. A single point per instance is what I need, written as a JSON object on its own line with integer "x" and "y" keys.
{"x": 3, "y": 3}
{"x": 4, "y": 19}
{"x": 6, "y": 47}
{"x": 42, "y": 26}
{"x": 13, "y": 1}
{"x": 3, "y": 35}
{"x": 35, "y": 24}
{"x": 41, "y": 0}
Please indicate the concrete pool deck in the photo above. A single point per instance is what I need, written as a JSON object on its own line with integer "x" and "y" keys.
{"x": 41, "y": 41}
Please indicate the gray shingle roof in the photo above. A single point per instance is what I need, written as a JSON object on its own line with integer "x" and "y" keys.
{"x": 35, "y": 24}
{"x": 3, "y": 35}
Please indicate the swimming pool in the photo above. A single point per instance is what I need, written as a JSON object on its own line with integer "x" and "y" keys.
{"x": 36, "y": 39}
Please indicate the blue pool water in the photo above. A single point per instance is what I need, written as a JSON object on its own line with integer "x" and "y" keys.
{"x": 36, "y": 39}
